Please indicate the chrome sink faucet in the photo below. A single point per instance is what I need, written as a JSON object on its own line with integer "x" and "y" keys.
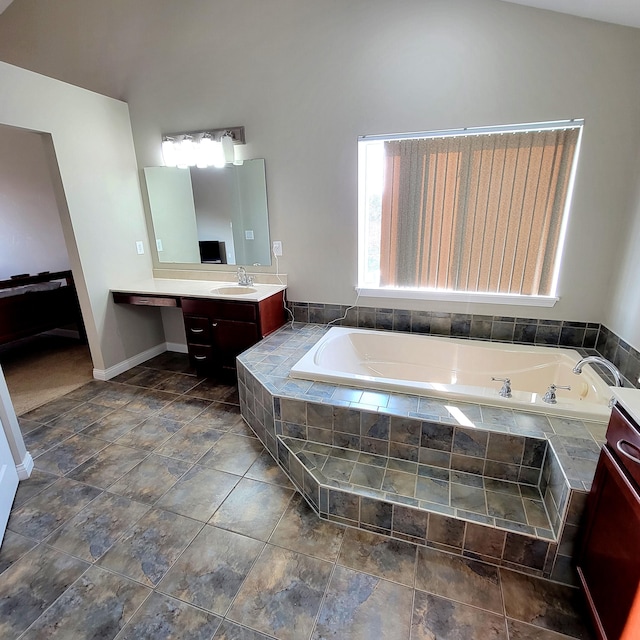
{"x": 604, "y": 362}
{"x": 244, "y": 280}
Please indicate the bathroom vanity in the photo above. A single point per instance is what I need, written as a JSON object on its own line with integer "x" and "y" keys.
{"x": 609, "y": 563}
{"x": 221, "y": 319}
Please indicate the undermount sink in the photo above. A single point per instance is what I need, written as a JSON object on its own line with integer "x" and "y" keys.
{"x": 234, "y": 291}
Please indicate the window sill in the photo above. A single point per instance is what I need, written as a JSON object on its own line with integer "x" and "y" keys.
{"x": 459, "y": 296}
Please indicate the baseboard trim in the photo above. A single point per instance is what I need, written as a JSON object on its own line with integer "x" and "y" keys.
{"x": 25, "y": 468}
{"x": 177, "y": 347}
{"x": 64, "y": 333}
{"x": 125, "y": 365}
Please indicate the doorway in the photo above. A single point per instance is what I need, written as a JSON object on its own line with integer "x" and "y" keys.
{"x": 40, "y": 367}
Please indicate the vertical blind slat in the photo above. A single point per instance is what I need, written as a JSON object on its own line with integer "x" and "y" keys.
{"x": 475, "y": 214}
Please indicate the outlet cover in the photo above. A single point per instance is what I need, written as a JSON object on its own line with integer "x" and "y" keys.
{"x": 277, "y": 248}
{"x": 140, "y": 247}
{"x": 159, "y": 244}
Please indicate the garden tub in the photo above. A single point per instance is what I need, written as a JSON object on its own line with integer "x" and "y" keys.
{"x": 462, "y": 370}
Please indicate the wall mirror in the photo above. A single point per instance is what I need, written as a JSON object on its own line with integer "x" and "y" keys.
{"x": 210, "y": 216}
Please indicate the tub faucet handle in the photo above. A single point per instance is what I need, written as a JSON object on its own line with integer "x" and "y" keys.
{"x": 505, "y": 391}
{"x": 550, "y": 396}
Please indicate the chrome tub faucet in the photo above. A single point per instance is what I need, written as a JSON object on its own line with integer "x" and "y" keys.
{"x": 602, "y": 361}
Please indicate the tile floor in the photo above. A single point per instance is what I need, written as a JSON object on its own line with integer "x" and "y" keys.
{"x": 154, "y": 513}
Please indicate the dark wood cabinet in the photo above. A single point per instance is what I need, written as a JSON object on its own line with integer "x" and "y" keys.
{"x": 609, "y": 557}
{"x": 218, "y": 330}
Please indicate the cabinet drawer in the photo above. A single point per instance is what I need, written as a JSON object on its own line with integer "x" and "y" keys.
{"x": 200, "y": 355}
{"x": 225, "y": 310}
{"x": 244, "y": 311}
{"x": 624, "y": 439}
{"x": 198, "y": 329}
{"x": 198, "y": 307}
{"x": 144, "y": 300}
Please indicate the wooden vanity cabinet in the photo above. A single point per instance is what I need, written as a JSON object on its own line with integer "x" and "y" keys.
{"x": 609, "y": 558}
{"x": 218, "y": 330}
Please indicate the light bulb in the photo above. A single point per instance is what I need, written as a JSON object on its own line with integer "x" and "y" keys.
{"x": 237, "y": 160}
{"x": 182, "y": 156}
{"x": 218, "y": 160}
{"x": 169, "y": 153}
{"x": 205, "y": 152}
{"x": 227, "y": 148}
{"x": 189, "y": 152}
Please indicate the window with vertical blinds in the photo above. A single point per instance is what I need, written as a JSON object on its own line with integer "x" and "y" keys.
{"x": 480, "y": 212}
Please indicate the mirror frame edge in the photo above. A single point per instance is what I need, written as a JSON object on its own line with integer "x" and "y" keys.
{"x": 193, "y": 266}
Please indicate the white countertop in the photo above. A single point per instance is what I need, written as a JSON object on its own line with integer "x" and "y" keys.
{"x": 199, "y": 289}
{"x": 629, "y": 398}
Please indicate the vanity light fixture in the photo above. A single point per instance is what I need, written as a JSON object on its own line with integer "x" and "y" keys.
{"x": 214, "y": 147}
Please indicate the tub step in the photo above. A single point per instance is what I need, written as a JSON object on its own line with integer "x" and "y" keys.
{"x": 343, "y": 484}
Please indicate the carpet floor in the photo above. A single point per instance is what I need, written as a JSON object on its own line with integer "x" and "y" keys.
{"x": 43, "y": 368}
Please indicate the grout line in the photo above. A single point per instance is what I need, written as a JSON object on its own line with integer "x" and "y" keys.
{"x": 288, "y": 506}
{"x": 22, "y": 635}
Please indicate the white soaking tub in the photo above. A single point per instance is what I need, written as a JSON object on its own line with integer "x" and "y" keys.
{"x": 458, "y": 369}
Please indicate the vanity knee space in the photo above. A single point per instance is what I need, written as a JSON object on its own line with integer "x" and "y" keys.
{"x": 217, "y": 329}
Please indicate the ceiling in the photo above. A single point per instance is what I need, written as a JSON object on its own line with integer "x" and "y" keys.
{"x": 626, "y": 12}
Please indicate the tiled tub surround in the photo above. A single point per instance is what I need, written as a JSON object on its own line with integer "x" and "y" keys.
{"x": 443, "y": 482}
{"x": 555, "y": 333}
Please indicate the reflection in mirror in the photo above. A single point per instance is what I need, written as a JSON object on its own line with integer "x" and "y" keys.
{"x": 210, "y": 216}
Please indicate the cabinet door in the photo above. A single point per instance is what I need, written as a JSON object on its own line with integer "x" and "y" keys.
{"x": 609, "y": 562}
{"x": 231, "y": 338}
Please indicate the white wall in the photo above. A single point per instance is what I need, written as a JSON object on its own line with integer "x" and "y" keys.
{"x": 623, "y": 313}
{"x": 306, "y": 77}
{"x": 98, "y": 196}
{"x": 31, "y": 238}
{"x": 322, "y": 76}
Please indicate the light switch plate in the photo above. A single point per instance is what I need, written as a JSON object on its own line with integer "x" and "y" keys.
{"x": 140, "y": 247}
{"x": 248, "y": 234}
{"x": 159, "y": 244}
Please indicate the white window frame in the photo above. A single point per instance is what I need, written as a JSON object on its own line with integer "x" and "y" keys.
{"x": 447, "y": 295}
